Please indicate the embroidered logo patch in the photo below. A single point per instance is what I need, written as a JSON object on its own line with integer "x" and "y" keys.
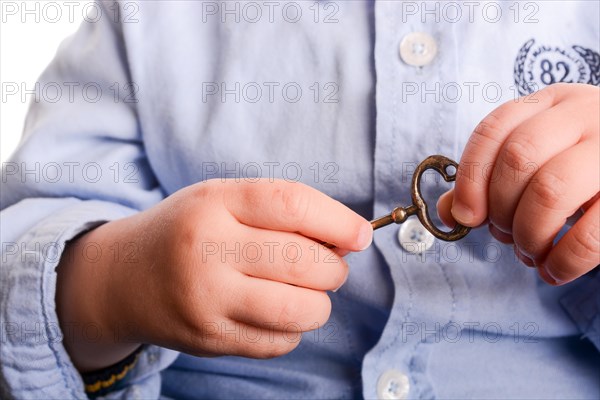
{"x": 537, "y": 66}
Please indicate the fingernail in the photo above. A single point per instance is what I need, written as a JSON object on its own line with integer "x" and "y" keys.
{"x": 338, "y": 288}
{"x": 523, "y": 258}
{"x": 547, "y": 277}
{"x": 440, "y": 202}
{"x": 554, "y": 279}
{"x": 365, "y": 236}
{"x": 462, "y": 213}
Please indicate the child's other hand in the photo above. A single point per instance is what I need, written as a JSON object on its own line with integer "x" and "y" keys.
{"x": 220, "y": 268}
{"x": 235, "y": 272}
{"x": 528, "y": 166}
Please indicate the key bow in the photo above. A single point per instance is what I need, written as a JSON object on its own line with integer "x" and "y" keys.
{"x": 439, "y": 164}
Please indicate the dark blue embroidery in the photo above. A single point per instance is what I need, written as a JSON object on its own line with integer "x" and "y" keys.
{"x": 539, "y": 66}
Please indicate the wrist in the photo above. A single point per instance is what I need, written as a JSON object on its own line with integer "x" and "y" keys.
{"x": 85, "y": 302}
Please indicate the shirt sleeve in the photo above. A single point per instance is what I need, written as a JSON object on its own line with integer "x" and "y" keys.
{"x": 81, "y": 162}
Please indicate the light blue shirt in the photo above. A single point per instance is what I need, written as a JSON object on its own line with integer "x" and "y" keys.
{"x": 169, "y": 94}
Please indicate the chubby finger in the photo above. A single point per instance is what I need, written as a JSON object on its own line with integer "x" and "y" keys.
{"x": 524, "y": 152}
{"x": 501, "y": 236}
{"x": 295, "y": 207}
{"x": 523, "y": 258}
{"x": 556, "y": 191}
{"x": 578, "y": 251}
{"x": 470, "y": 204}
{"x": 278, "y": 306}
{"x": 287, "y": 257}
{"x": 341, "y": 252}
{"x": 444, "y": 204}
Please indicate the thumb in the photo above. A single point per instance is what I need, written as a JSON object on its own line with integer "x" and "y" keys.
{"x": 444, "y": 205}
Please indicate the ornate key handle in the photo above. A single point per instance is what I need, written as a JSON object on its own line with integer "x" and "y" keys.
{"x": 419, "y": 206}
{"x": 441, "y": 165}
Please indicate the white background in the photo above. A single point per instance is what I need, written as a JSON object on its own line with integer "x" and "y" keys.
{"x": 30, "y": 32}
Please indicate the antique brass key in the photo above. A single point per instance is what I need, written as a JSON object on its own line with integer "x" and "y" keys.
{"x": 418, "y": 207}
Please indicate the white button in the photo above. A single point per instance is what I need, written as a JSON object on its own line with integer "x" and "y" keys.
{"x": 418, "y": 49}
{"x": 414, "y": 238}
{"x": 392, "y": 385}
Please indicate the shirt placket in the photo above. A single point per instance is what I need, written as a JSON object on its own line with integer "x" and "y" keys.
{"x": 413, "y": 62}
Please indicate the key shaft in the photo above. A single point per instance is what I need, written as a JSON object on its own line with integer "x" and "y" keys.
{"x": 397, "y": 216}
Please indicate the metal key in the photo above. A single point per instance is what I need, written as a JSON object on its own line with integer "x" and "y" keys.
{"x": 398, "y": 215}
{"x": 419, "y": 207}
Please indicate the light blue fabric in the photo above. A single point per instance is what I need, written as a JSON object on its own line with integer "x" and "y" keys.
{"x": 462, "y": 320}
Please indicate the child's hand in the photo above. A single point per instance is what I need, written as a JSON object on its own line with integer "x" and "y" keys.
{"x": 527, "y": 167}
{"x": 219, "y": 269}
